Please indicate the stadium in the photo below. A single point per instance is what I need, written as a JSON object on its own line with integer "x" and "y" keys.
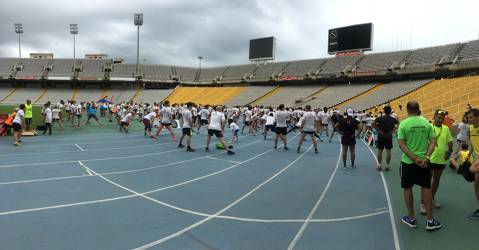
{"x": 105, "y": 184}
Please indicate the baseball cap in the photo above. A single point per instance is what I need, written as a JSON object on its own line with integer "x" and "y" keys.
{"x": 350, "y": 112}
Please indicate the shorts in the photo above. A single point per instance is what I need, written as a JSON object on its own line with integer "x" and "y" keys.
{"x": 281, "y": 130}
{"x": 235, "y": 132}
{"x": 90, "y": 116}
{"x": 166, "y": 124}
{"x": 124, "y": 124}
{"x": 348, "y": 140}
{"x": 79, "y": 116}
{"x": 412, "y": 174}
{"x": 384, "y": 142}
{"x": 215, "y": 132}
{"x": 147, "y": 124}
{"x": 56, "y": 119}
{"x": 247, "y": 123}
{"x": 186, "y": 131}
{"x": 308, "y": 132}
{"x": 230, "y": 120}
{"x": 435, "y": 166}
{"x": 203, "y": 122}
{"x": 67, "y": 111}
{"x": 17, "y": 127}
{"x": 28, "y": 121}
{"x": 270, "y": 127}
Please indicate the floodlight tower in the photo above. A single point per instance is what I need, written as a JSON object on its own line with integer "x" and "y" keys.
{"x": 200, "y": 58}
{"x": 74, "y": 32}
{"x": 19, "y": 31}
{"x": 138, "y": 20}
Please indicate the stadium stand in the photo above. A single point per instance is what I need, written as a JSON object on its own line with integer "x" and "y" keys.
{"x": 431, "y": 56}
{"x": 55, "y": 95}
{"x": 87, "y": 95}
{"x": 204, "y": 95}
{"x": 336, "y": 65}
{"x": 22, "y": 94}
{"x": 269, "y": 71}
{"x": 303, "y": 68}
{"x": 6, "y": 67}
{"x": 120, "y": 94}
{"x": 469, "y": 52}
{"x": 383, "y": 94}
{"x": 335, "y": 94}
{"x": 156, "y": 72}
{"x": 186, "y": 74}
{"x": 62, "y": 68}
{"x": 32, "y": 68}
{"x": 249, "y": 95}
{"x": 152, "y": 95}
{"x": 238, "y": 72}
{"x": 208, "y": 75}
{"x": 289, "y": 95}
{"x": 382, "y": 60}
{"x": 4, "y": 92}
{"x": 122, "y": 71}
{"x": 93, "y": 69}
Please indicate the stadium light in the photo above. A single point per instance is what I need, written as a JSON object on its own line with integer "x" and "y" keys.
{"x": 138, "y": 21}
{"x": 200, "y": 58}
{"x": 19, "y": 31}
{"x": 74, "y": 32}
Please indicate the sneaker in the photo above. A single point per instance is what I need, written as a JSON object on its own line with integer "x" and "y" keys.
{"x": 298, "y": 150}
{"x": 474, "y": 215}
{"x": 275, "y": 147}
{"x": 230, "y": 152}
{"x": 17, "y": 144}
{"x": 207, "y": 149}
{"x": 316, "y": 150}
{"x": 190, "y": 150}
{"x": 411, "y": 223}
{"x": 286, "y": 148}
{"x": 353, "y": 166}
{"x": 344, "y": 167}
{"x": 181, "y": 146}
{"x": 436, "y": 204}
{"x": 422, "y": 208}
{"x": 433, "y": 225}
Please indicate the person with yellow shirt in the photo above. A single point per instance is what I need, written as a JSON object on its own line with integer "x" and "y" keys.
{"x": 28, "y": 115}
{"x": 462, "y": 156}
{"x": 442, "y": 152}
{"x": 473, "y": 118}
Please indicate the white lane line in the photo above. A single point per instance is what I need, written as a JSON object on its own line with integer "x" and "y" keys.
{"x": 87, "y": 143}
{"x": 87, "y": 170}
{"x": 299, "y": 234}
{"x": 186, "y": 229}
{"x": 397, "y": 246}
{"x": 78, "y": 146}
{"x": 119, "y": 172}
{"x": 214, "y": 158}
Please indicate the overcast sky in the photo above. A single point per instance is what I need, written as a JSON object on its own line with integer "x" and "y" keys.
{"x": 176, "y": 32}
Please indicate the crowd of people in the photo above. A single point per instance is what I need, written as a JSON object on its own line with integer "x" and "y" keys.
{"x": 427, "y": 146}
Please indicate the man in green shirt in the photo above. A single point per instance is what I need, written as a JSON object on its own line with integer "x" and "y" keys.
{"x": 28, "y": 115}
{"x": 441, "y": 154}
{"x": 416, "y": 139}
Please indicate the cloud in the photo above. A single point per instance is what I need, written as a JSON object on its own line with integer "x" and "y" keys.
{"x": 176, "y": 32}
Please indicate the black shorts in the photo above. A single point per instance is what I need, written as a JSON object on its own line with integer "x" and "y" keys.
{"x": 124, "y": 123}
{"x": 281, "y": 130}
{"x": 384, "y": 142}
{"x": 79, "y": 116}
{"x": 215, "y": 132}
{"x": 230, "y": 120}
{"x": 435, "y": 166}
{"x": 91, "y": 116}
{"x": 166, "y": 124}
{"x": 270, "y": 127}
{"x": 412, "y": 174}
{"x": 28, "y": 121}
{"x": 186, "y": 131}
{"x": 203, "y": 122}
{"x": 247, "y": 123}
{"x": 17, "y": 127}
{"x": 348, "y": 140}
{"x": 308, "y": 132}
{"x": 147, "y": 124}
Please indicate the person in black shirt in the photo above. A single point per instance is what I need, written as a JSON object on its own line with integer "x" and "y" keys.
{"x": 385, "y": 125}
{"x": 349, "y": 128}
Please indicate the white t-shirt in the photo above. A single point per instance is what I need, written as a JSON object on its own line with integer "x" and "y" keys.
{"x": 463, "y": 131}
{"x": 216, "y": 119}
{"x": 281, "y": 117}
{"x": 126, "y": 118}
{"x": 166, "y": 113}
{"x": 309, "y": 120}
{"x": 18, "y": 117}
{"x": 68, "y": 107}
{"x": 78, "y": 109}
{"x": 187, "y": 116}
{"x": 324, "y": 116}
{"x": 369, "y": 121}
{"x": 204, "y": 114}
{"x": 150, "y": 116}
{"x": 234, "y": 126}
{"x": 248, "y": 115}
{"x": 48, "y": 115}
{"x": 269, "y": 120}
{"x": 56, "y": 113}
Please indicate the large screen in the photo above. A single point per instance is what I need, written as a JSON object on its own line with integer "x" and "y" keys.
{"x": 349, "y": 38}
{"x": 262, "y": 48}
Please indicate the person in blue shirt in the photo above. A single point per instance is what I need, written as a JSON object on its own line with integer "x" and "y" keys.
{"x": 91, "y": 111}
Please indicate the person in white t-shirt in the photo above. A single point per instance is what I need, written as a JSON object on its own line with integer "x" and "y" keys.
{"x": 281, "y": 116}
{"x": 18, "y": 124}
{"x": 247, "y": 120}
{"x": 324, "y": 117}
{"x": 309, "y": 123}
{"x": 235, "y": 129}
{"x": 126, "y": 121}
{"x": 269, "y": 125}
{"x": 47, "y": 118}
{"x": 204, "y": 115}
{"x": 68, "y": 109}
{"x": 57, "y": 116}
{"x": 187, "y": 116}
{"x": 166, "y": 120}
{"x": 148, "y": 121}
{"x": 216, "y": 127}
